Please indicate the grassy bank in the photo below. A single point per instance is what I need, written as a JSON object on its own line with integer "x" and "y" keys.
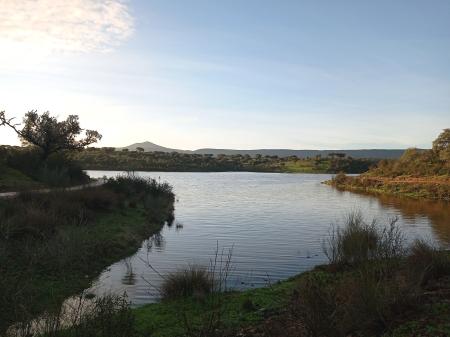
{"x": 14, "y": 180}
{"x": 417, "y": 174}
{"x": 53, "y": 245}
{"x": 276, "y": 311}
{"x": 429, "y": 187}
{"x": 374, "y": 285}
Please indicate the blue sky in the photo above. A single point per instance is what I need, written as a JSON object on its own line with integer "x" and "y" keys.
{"x": 233, "y": 74}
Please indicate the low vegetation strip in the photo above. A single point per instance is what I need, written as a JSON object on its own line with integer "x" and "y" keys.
{"x": 437, "y": 188}
{"x": 52, "y": 245}
{"x": 110, "y": 159}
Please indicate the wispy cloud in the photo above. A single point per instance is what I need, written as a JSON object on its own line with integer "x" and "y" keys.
{"x": 64, "y": 25}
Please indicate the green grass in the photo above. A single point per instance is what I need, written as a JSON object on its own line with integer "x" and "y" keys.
{"x": 52, "y": 246}
{"x": 112, "y": 237}
{"x": 306, "y": 166}
{"x": 434, "y": 321}
{"x": 166, "y": 319}
{"x": 14, "y": 180}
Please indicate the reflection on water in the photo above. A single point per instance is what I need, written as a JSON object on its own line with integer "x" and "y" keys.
{"x": 275, "y": 222}
{"x": 434, "y": 212}
{"x": 156, "y": 241}
{"x": 129, "y": 277}
{"x": 437, "y": 213}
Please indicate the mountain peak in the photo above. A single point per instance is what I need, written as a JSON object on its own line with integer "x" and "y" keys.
{"x": 150, "y": 147}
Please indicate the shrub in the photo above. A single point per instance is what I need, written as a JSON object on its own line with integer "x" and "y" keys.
{"x": 193, "y": 280}
{"x": 360, "y": 302}
{"x": 360, "y": 241}
{"x": 385, "y": 280}
{"x": 132, "y": 185}
{"x": 340, "y": 178}
{"x": 56, "y": 170}
{"x": 316, "y": 304}
{"x": 428, "y": 262}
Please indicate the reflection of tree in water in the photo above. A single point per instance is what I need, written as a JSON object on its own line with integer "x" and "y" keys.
{"x": 129, "y": 278}
{"x": 438, "y": 212}
{"x": 156, "y": 241}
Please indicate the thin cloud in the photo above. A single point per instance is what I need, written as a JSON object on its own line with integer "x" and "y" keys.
{"x": 65, "y": 25}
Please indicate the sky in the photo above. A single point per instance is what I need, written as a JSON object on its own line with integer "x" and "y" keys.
{"x": 300, "y": 74}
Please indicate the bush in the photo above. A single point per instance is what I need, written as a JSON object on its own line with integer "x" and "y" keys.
{"x": 193, "y": 280}
{"x": 153, "y": 195}
{"x": 316, "y": 304}
{"x": 360, "y": 241}
{"x": 427, "y": 262}
{"x": 56, "y": 170}
{"x": 385, "y": 280}
{"x": 132, "y": 185}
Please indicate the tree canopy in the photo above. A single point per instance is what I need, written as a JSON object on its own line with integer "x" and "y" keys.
{"x": 441, "y": 145}
{"x": 49, "y": 134}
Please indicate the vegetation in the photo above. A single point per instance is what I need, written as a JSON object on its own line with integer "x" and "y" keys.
{"x": 53, "y": 244}
{"x": 43, "y": 160}
{"x": 109, "y": 159}
{"x": 377, "y": 287}
{"x": 49, "y": 135}
{"x": 25, "y": 169}
{"x": 187, "y": 282}
{"x": 418, "y": 173}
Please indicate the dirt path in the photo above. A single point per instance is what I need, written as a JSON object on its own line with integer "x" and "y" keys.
{"x": 95, "y": 183}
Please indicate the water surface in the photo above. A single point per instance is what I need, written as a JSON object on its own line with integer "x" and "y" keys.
{"x": 275, "y": 223}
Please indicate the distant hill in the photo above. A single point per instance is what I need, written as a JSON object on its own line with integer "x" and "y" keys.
{"x": 364, "y": 153}
{"x": 151, "y": 147}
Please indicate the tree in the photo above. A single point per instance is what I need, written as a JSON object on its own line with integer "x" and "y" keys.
{"x": 140, "y": 149}
{"x": 50, "y": 135}
{"x": 441, "y": 146}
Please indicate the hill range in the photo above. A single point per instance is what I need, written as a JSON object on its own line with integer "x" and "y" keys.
{"x": 363, "y": 153}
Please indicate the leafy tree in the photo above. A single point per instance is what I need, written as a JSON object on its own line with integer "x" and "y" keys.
{"x": 140, "y": 149}
{"x": 50, "y": 135}
{"x": 441, "y": 146}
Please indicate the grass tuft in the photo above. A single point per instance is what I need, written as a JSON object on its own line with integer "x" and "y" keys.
{"x": 191, "y": 281}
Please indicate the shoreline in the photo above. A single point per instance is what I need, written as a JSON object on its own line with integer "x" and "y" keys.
{"x": 73, "y": 256}
{"x": 430, "y": 188}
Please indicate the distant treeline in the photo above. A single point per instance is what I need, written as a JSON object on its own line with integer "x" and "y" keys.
{"x": 109, "y": 159}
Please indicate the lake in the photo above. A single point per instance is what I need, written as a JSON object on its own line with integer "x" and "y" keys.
{"x": 274, "y": 223}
